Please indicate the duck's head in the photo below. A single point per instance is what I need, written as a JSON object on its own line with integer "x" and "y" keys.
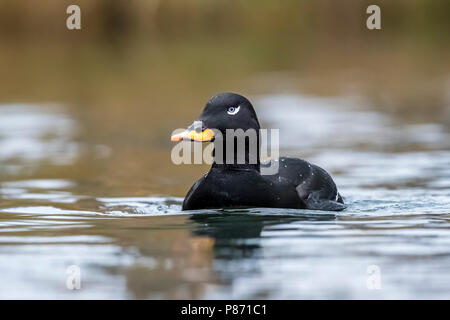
{"x": 223, "y": 111}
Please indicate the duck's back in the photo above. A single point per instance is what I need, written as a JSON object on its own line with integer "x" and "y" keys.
{"x": 313, "y": 185}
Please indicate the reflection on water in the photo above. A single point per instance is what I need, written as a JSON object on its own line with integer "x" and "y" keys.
{"x": 394, "y": 176}
{"x": 343, "y": 123}
{"x": 29, "y": 135}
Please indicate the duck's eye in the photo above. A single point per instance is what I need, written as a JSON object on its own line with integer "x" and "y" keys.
{"x": 232, "y": 110}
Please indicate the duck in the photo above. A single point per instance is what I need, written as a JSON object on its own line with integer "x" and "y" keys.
{"x": 238, "y": 180}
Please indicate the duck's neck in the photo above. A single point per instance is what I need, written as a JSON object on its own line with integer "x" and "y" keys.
{"x": 241, "y": 159}
{"x": 245, "y": 166}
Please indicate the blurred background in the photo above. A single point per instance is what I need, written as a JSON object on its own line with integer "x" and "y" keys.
{"x": 85, "y": 123}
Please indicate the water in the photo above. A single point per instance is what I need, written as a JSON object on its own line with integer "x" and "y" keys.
{"x": 67, "y": 199}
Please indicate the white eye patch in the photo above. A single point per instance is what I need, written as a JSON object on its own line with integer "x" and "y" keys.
{"x": 232, "y": 110}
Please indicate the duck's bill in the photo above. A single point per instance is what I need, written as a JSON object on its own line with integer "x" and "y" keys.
{"x": 192, "y": 135}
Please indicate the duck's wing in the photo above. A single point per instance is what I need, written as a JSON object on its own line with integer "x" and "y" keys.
{"x": 314, "y": 185}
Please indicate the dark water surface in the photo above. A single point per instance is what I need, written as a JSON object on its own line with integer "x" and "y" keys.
{"x": 114, "y": 212}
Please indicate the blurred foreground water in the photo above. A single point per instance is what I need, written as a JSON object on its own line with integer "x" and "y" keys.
{"x": 65, "y": 200}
